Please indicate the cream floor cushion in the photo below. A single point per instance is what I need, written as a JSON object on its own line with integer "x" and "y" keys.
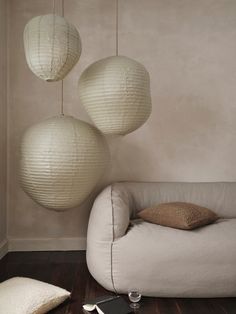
{"x": 20, "y": 295}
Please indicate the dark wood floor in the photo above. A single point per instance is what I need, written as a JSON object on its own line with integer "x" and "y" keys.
{"x": 68, "y": 270}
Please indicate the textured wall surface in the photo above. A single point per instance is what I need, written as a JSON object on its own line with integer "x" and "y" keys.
{"x": 189, "y": 49}
{"x": 3, "y": 119}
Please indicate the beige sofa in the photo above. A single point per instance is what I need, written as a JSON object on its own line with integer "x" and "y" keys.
{"x": 123, "y": 252}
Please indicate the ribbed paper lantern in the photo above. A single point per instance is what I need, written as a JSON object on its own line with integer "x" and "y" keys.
{"x": 115, "y": 91}
{"x": 52, "y": 46}
{"x": 62, "y": 159}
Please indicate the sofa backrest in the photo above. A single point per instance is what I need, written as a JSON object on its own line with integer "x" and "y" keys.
{"x": 218, "y": 196}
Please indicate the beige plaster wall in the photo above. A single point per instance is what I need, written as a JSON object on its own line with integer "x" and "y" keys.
{"x": 189, "y": 48}
{"x": 3, "y": 122}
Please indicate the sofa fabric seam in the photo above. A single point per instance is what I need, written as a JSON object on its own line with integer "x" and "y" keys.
{"x": 113, "y": 239}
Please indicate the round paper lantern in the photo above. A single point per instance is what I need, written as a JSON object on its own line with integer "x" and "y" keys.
{"x": 62, "y": 159}
{"x": 52, "y": 46}
{"x": 115, "y": 92}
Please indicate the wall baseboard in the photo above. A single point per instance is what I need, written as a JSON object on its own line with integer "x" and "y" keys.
{"x": 3, "y": 248}
{"x": 46, "y": 244}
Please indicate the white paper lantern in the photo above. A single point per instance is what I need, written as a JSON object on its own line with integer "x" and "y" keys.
{"x": 115, "y": 91}
{"x": 52, "y": 46}
{"x": 62, "y": 159}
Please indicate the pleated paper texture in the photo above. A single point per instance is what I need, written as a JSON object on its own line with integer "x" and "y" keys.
{"x": 62, "y": 159}
{"x": 115, "y": 91}
{"x": 52, "y": 46}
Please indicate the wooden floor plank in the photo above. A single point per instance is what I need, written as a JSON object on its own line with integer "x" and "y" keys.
{"x": 69, "y": 270}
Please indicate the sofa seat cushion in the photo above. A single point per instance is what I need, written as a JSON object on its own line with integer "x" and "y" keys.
{"x": 163, "y": 261}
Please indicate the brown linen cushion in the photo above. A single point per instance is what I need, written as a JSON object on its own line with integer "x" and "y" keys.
{"x": 179, "y": 215}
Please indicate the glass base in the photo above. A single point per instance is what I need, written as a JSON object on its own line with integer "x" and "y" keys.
{"x": 134, "y": 306}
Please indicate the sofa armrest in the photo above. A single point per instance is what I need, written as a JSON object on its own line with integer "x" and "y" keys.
{"x": 109, "y": 220}
{"x": 110, "y": 215}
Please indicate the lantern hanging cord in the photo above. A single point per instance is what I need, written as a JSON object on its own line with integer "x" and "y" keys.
{"x": 53, "y": 7}
{"x": 117, "y": 27}
{"x": 62, "y": 97}
{"x": 62, "y": 82}
{"x": 62, "y": 8}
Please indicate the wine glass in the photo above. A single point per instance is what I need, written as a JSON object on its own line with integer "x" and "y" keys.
{"x": 134, "y": 297}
